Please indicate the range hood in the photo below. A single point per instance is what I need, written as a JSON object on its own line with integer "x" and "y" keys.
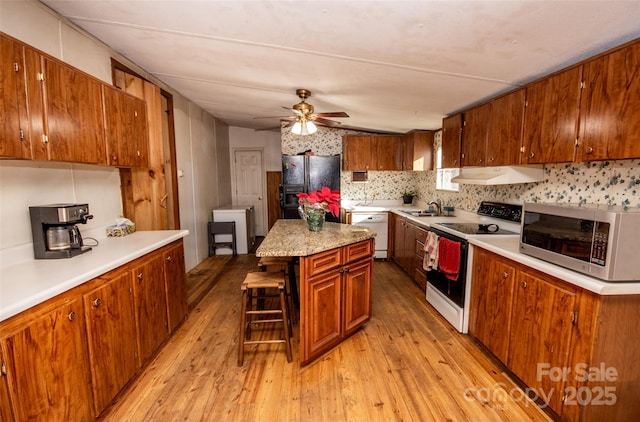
{"x": 500, "y": 175}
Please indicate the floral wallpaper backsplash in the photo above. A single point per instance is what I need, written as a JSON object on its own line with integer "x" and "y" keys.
{"x": 599, "y": 182}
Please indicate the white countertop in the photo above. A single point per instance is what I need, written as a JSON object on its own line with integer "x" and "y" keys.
{"x": 27, "y": 283}
{"x": 510, "y": 248}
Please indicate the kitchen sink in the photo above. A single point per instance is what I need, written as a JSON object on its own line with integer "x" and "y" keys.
{"x": 422, "y": 213}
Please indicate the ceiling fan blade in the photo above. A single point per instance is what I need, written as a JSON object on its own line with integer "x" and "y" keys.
{"x": 299, "y": 113}
{"x": 326, "y": 122}
{"x": 275, "y": 117}
{"x": 333, "y": 114}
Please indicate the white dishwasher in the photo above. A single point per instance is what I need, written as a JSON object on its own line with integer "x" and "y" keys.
{"x": 379, "y": 223}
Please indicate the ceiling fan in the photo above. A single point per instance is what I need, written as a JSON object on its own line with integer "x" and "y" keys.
{"x": 304, "y": 119}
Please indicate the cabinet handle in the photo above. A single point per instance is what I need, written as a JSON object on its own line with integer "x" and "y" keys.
{"x": 114, "y": 158}
{"x": 532, "y": 154}
{"x": 505, "y": 274}
{"x": 96, "y": 302}
{"x": 455, "y": 162}
{"x": 524, "y": 284}
{"x": 169, "y": 258}
{"x": 491, "y": 159}
{"x": 3, "y": 369}
{"x": 71, "y": 316}
{"x": 140, "y": 277}
{"x": 589, "y": 150}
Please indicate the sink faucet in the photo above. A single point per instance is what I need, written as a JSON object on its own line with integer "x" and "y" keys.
{"x": 437, "y": 204}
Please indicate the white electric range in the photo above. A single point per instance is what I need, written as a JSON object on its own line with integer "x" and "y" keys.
{"x": 450, "y": 296}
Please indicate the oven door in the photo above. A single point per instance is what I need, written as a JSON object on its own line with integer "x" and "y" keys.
{"x": 454, "y": 290}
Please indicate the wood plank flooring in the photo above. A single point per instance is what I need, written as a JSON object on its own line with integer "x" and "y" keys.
{"x": 406, "y": 364}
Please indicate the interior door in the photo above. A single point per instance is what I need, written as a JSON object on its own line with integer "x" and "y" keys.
{"x": 249, "y": 184}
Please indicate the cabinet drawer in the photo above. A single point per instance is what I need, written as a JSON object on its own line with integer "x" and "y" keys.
{"x": 420, "y": 249}
{"x": 321, "y": 262}
{"x": 420, "y": 278}
{"x": 421, "y": 234}
{"x": 358, "y": 251}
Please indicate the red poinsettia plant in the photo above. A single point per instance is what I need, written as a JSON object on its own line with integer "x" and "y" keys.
{"x": 328, "y": 199}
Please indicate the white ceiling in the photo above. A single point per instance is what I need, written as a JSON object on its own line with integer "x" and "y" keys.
{"x": 391, "y": 65}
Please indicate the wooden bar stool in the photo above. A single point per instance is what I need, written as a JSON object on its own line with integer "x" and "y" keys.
{"x": 259, "y": 281}
{"x": 284, "y": 265}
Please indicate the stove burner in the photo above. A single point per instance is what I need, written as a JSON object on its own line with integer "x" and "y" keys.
{"x": 488, "y": 227}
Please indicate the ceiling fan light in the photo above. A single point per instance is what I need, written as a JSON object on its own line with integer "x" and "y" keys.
{"x": 297, "y": 129}
{"x": 311, "y": 128}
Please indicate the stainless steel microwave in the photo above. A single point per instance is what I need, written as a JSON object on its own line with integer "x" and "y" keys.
{"x": 597, "y": 240}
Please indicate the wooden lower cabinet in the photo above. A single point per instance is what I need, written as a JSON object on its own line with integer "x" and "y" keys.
{"x": 111, "y": 336}
{"x": 67, "y": 358}
{"x": 492, "y": 302}
{"x": 540, "y": 332}
{"x": 575, "y": 348}
{"x": 46, "y": 364}
{"x": 419, "y": 273}
{"x": 149, "y": 297}
{"x": 335, "y": 297}
{"x": 404, "y": 244}
{"x": 174, "y": 283}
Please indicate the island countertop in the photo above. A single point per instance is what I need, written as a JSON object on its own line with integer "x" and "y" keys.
{"x": 293, "y": 238}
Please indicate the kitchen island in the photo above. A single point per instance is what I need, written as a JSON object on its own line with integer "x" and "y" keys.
{"x": 336, "y": 274}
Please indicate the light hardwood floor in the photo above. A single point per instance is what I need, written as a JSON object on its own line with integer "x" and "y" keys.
{"x": 406, "y": 364}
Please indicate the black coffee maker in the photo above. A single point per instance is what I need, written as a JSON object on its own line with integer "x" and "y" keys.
{"x": 55, "y": 231}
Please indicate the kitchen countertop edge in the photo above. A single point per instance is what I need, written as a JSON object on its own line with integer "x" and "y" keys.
{"x": 510, "y": 248}
{"x": 32, "y": 282}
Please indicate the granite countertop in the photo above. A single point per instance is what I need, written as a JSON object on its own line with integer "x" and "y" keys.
{"x": 509, "y": 247}
{"x": 29, "y": 282}
{"x": 293, "y": 238}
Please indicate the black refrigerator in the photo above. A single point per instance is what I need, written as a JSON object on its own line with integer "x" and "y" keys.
{"x": 306, "y": 173}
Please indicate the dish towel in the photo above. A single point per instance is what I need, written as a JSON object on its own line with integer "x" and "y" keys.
{"x": 430, "y": 260}
{"x": 449, "y": 258}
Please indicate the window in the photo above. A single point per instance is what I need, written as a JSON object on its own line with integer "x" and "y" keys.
{"x": 444, "y": 176}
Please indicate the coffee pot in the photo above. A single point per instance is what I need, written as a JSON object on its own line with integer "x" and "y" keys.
{"x": 55, "y": 231}
{"x": 63, "y": 237}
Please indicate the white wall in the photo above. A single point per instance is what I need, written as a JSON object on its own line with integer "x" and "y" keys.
{"x": 24, "y": 183}
{"x": 268, "y": 141}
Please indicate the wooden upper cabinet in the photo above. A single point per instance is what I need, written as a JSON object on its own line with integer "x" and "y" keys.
{"x": 126, "y": 131}
{"x": 389, "y": 152}
{"x": 551, "y": 118}
{"x": 65, "y": 112}
{"x": 451, "y": 137}
{"x": 474, "y": 135}
{"x": 418, "y": 151}
{"x": 505, "y": 129}
{"x": 358, "y": 152}
{"x": 14, "y": 123}
{"x": 610, "y": 106}
{"x": 46, "y": 366}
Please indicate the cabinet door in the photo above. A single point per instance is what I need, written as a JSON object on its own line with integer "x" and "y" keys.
{"x": 491, "y": 302}
{"x": 451, "y": 138}
{"x": 6, "y": 414}
{"x": 321, "y": 314}
{"x": 175, "y": 285}
{"x": 111, "y": 335}
{"x": 610, "y": 107}
{"x": 14, "y": 127}
{"x": 551, "y": 118}
{"x": 358, "y": 152}
{"x": 150, "y": 306}
{"x": 357, "y": 295}
{"x": 126, "y": 129}
{"x": 474, "y": 135}
{"x": 47, "y": 367}
{"x": 389, "y": 152}
{"x": 418, "y": 151}
{"x": 505, "y": 129}
{"x": 73, "y": 118}
{"x": 541, "y": 327}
